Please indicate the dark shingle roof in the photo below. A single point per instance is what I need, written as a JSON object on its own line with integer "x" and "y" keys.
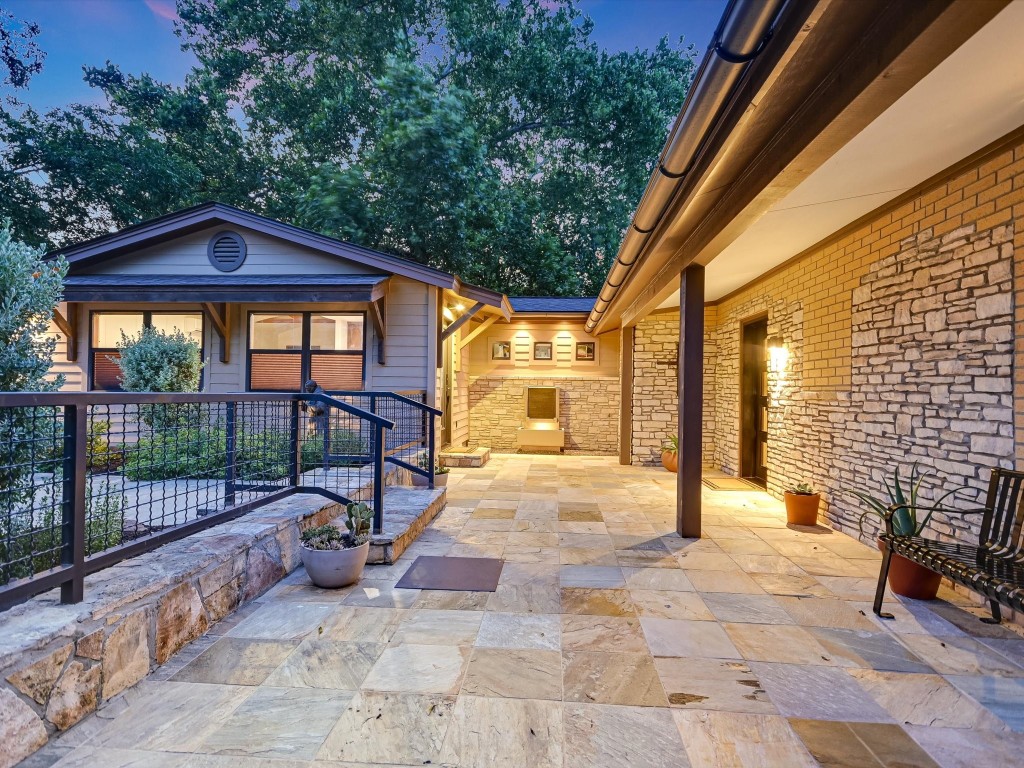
{"x": 550, "y": 304}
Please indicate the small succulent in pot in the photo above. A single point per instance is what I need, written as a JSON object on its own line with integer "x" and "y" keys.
{"x": 335, "y": 558}
{"x": 802, "y": 503}
{"x": 440, "y": 472}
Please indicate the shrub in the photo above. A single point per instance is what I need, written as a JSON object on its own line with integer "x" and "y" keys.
{"x": 195, "y": 452}
{"x": 155, "y": 361}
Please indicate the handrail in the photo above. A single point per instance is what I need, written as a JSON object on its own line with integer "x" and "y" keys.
{"x": 26, "y": 399}
{"x": 401, "y": 398}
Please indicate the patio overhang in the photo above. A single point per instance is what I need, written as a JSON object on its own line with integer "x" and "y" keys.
{"x": 832, "y": 74}
{"x": 225, "y": 288}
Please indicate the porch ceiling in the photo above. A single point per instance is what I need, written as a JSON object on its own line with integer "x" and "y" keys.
{"x": 973, "y": 98}
{"x": 226, "y": 288}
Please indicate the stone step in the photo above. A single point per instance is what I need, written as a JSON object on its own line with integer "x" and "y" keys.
{"x": 407, "y": 512}
{"x": 477, "y": 457}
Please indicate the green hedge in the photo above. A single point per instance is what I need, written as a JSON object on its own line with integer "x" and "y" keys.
{"x": 202, "y": 453}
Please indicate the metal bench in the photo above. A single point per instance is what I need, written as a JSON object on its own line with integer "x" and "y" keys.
{"x": 994, "y": 567}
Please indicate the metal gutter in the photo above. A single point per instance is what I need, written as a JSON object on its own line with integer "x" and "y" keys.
{"x": 743, "y": 32}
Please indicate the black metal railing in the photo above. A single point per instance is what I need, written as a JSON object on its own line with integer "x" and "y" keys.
{"x": 411, "y": 443}
{"x": 89, "y": 479}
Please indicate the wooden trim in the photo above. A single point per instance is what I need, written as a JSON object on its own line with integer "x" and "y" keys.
{"x": 69, "y": 327}
{"x": 691, "y": 401}
{"x": 487, "y": 323}
{"x": 627, "y": 337}
{"x": 220, "y": 318}
{"x": 1000, "y": 145}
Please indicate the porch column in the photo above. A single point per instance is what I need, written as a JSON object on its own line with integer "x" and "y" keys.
{"x": 691, "y": 400}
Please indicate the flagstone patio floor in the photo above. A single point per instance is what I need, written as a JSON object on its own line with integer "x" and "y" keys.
{"x": 609, "y": 642}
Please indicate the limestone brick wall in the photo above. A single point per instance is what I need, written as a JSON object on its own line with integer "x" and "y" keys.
{"x": 900, "y": 341}
{"x": 655, "y": 393}
{"x": 588, "y": 410}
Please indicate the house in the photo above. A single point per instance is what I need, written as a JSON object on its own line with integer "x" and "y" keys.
{"x": 821, "y": 281}
{"x": 830, "y": 252}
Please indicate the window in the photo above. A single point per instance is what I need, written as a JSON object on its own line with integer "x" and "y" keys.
{"x": 288, "y": 348}
{"x": 105, "y": 336}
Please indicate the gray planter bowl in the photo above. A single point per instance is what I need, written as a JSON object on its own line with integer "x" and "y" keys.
{"x": 333, "y": 568}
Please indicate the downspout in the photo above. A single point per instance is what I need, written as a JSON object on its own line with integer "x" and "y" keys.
{"x": 742, "y": 34}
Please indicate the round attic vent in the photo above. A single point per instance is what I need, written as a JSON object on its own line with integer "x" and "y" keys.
{"x": 226, "y": 251}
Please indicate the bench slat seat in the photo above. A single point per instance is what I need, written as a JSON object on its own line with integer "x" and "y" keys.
{"x": 992, "y": 567}
{"x": 995, "y": 577}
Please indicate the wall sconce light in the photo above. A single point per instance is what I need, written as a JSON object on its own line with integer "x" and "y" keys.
{"x": 460, "y": 307}
{"x": 448, "y": 314}
{"x": 778, "y": 355}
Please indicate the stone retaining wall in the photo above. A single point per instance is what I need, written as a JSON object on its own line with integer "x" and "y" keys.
{"x": 58, "y": 663}
{"x": 588, "y": 410}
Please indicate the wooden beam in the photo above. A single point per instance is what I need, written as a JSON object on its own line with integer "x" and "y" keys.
{"x": 69, "y": 327}
{"x": 626, "y": 338}
{"x": 220, "y": 316}
{"x": 464, "y": 318}
{"x": 379, "y": 316}
{"x": 691, "y": 401}
{"x": 487, "y": 323}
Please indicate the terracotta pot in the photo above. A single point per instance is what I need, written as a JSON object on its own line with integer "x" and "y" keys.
{"x": 333, "y": 568}
{"x": 670, "y": 461}
{"x": 908, "y": 579}
{"x": 802, "y": 508}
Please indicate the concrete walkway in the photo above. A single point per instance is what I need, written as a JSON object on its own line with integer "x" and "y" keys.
{"x": 609, "y": 642}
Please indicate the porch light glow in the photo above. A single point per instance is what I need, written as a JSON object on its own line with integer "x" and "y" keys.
{"x": 778, "y": 355}
{"x": 448, "y": 314}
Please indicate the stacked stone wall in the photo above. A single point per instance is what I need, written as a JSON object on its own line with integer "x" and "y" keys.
{"x": 655, "y": 386}
{"x": 588, "y": 411}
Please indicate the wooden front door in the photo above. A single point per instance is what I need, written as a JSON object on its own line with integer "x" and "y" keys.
{"x": 754, "y": 401}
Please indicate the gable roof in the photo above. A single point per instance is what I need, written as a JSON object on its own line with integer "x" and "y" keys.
{"x": 552, "y": 304}
{"x": 205, "y": 215}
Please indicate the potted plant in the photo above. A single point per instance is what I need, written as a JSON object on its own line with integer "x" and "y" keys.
{"x": 906, "y": 577}
{"x": 802, "y": 504}
{"x": 440, "y": 473}
{"x": 334, "y": 558}
{"x": 670, "y": 453}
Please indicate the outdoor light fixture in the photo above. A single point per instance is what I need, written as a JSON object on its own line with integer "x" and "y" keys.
{"x": 448, "y": 314}
{"x": 777, "y": 353}
{"x": 460, "y": 307}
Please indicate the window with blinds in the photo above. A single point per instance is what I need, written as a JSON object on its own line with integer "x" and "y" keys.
{"x": 286, "y": 349}
{"x": 107, "y": 329}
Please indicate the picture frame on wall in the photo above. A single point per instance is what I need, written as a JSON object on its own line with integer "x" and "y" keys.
{"x": 543, "y": 350}
{"x": 586, "y": 351}
{"x": 501, "y": 350}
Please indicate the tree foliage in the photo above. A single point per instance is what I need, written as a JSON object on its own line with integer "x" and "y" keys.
{"x": 492, "y": 138}
{"x": 30, "y": 289}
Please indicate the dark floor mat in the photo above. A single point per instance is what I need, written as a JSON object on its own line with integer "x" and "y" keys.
{"x": 461, "y": 574}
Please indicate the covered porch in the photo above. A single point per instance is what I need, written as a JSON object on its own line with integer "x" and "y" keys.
{"x": 608, "y": 641}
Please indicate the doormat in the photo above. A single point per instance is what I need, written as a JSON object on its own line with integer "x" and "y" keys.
{"x": 730, "y": 484}
{"x": 456, "y": 574}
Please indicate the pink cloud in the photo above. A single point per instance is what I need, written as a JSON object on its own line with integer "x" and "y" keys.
{"x": 164, "y": 9}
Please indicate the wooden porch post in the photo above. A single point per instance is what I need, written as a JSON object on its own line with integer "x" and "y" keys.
{"x": 691, "y": 400}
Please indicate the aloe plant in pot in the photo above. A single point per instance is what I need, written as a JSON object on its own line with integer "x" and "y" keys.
{"x": 898, "y": 513}
{"x": 670, "y": 453}
{"x": 334, "y": 558}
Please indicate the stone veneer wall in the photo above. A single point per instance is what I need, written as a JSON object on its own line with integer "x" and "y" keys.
{"x": 588, "y": 410}
{"x": 655, "y": 393}
{"x": 901, "y": 344}
{"x": 59, "y": 663}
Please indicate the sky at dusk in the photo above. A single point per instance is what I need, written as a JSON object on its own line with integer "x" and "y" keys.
{"x": 138, "y": 35}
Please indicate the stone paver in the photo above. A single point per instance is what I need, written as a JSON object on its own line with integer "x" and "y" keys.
{"x": 610, "y": 641}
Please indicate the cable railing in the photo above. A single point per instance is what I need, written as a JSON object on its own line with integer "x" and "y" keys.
{"x": 90, "y": 479}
